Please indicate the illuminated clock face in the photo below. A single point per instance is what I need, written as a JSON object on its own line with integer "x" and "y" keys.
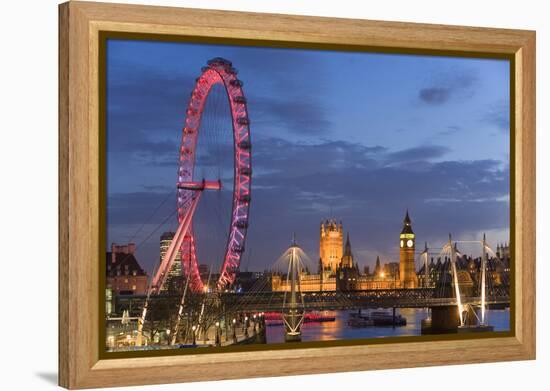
{"x": 402, "y": 243}
{"x": 409, "y": 243}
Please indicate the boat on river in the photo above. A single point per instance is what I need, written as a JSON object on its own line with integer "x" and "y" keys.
{"x": 276, "y": 319}
{"x": 357, "y": 319}
{"x": 375, "y": 318}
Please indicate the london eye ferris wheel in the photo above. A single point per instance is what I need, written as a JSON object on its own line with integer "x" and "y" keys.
{"x": 214, "y": 157}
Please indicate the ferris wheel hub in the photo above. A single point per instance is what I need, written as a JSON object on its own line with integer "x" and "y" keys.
{"x": 200, "y": 185}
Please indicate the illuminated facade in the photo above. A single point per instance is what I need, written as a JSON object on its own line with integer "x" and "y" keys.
{"x": 124, "y": 274}
{"x": 384, "y": 277}
{"x": 174, "y": 281}
{"x": 339, "y": 271}
{"x": 308, "y": 283}
{"x": 501, "y": 272}
{"x": 337, "y": 268}
{"x": 331, "y": 246}
{"x": 165, "y": 241}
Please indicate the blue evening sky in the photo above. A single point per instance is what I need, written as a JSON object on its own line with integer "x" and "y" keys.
{"x": 355, "y": 136}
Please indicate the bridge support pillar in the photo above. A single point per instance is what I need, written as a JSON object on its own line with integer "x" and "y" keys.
{"x": 446, "y": 320}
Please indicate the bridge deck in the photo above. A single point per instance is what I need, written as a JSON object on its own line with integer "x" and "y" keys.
{"x": 378, "y": 298}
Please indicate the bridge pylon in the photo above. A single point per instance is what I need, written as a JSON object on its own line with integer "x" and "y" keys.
{"x": 293, "y": 304}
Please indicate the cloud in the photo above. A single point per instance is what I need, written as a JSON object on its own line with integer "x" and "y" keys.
{"x": 371, "y": 191}
{"x": 450, "y": 130}
{"x": 275, "y": 66}
{"x": 137, "y": 207}
{"x": 293, "y": 104}
{"x": 296, "y": 185}
{"x": 295, "y": 159}
{"x": 434, "y": 95}
{"x": 145, "y": 114}
{"x": 498, "y": 115}
{"x": 146, "y": 107}
{"x": 444, "y": 87}
{"x": 148, "y": 100}
{"x": 425, "y": 152}
{"x": 298, "y": 115}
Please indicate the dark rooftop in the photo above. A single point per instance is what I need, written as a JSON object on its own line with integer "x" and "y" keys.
{"x": 126, "y": 264}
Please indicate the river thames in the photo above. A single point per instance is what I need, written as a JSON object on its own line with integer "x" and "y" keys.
{"x": 339, "y": 329}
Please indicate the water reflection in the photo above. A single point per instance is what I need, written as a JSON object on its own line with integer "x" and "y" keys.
{"x": 339, "y": 329}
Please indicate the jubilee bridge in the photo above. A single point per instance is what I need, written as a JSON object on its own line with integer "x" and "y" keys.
{"x": 375, "y": 298}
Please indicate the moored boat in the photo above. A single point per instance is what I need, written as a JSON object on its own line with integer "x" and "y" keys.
{"x": 276, "y": 319}
{"x": 375, "y": 318}
{"x": 359, "y": 320}
{"x": 383, "y": 318}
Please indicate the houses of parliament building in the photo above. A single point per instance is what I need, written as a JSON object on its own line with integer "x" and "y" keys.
{"x": 338, "y": 271}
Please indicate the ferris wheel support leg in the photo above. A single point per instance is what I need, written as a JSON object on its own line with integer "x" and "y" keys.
{"x": 180, "y": 312}
{"x": 139, "y": 338}
{"x": 164, "y": 268}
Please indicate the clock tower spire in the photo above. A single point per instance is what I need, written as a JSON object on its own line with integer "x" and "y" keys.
{"x": 407, "y": 270}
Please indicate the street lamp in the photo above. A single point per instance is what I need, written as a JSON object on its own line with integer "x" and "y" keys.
{"x": 234, "y": 331}
{"x": 194, "y": 336}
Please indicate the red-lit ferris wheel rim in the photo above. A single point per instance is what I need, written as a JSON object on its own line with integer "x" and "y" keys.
{"x": 218, "y": 71}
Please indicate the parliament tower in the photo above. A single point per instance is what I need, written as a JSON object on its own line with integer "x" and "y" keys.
{"x": 407, "y": 270}
{"x": 331, "y": 246}
{"x": 347, "y": 258}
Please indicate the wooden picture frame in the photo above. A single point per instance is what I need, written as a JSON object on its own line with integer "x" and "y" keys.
{"x": 81, "y": 163}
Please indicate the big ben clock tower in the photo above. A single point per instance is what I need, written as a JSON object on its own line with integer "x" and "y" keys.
{"x": 407, "y": 270}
